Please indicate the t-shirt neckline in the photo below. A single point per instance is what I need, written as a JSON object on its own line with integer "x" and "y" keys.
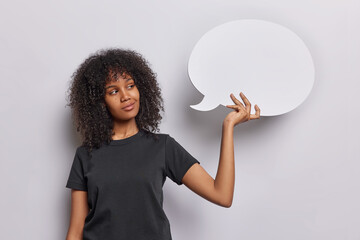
{"x": 128, "y": 139}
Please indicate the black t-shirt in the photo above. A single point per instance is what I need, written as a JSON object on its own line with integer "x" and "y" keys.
{"x": 124, "y": 182}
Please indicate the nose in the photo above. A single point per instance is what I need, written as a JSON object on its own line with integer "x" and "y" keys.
{"x": 124, "y": 95}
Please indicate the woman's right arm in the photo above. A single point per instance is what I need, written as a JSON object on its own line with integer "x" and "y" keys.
{"x": 79, "y": 211}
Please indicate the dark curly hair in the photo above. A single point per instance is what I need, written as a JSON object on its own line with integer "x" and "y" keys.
{"x": 87, "y": 94}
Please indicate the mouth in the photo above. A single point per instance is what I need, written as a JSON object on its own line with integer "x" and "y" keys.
{"x": 129, "y": 106}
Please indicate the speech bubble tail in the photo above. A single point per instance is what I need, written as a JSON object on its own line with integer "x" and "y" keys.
{"x": 205, "y": 105}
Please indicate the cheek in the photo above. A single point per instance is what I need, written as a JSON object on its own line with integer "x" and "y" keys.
{"x": 112, "y": 102}
{"x": 137, "y": 93}
{"x": 136, "y": 96}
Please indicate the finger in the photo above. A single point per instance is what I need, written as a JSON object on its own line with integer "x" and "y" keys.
{"x": 235, "y": 107}
{"x": 246, "y": 101}
{"x": 238, "y": 107}
{"x": 257, "y": 113}
{"x": 236, "y": 101}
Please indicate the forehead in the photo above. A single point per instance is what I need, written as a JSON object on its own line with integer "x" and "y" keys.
{"x": 116, "y": 77}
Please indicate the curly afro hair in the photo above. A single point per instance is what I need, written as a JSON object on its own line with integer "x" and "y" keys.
{"x": 87, "y": 94}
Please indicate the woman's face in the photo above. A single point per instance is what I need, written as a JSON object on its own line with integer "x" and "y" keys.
{"x": 120, "y": 93}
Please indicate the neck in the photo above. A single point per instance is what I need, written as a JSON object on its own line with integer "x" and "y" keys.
{"x": 124, "y": 129}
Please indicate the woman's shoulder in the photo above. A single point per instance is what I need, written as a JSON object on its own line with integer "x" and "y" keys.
{"x": 82, "y": 150}
{"x": 145, "y": 131}
{"x": 154, "y": 135}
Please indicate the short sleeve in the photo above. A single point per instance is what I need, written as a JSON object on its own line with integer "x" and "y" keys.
{"x": 76, "y": 179}
{"x": 177, "y": 160}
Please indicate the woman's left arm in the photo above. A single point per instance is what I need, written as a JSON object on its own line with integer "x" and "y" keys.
{"x": 221, "y": 189}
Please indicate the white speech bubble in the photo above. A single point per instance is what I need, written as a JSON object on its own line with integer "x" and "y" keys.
{"x": 268, "y": 62}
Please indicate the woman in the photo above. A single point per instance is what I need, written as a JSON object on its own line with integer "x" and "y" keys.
{"x": 118, "y": 172}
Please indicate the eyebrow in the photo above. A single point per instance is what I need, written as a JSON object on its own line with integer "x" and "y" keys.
{"x": 115, "y": 85}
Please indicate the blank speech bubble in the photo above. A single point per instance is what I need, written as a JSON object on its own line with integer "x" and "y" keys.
{"x": 268, "y": 62}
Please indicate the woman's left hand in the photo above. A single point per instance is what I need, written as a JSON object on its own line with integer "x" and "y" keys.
{"x": 241, "y": 113}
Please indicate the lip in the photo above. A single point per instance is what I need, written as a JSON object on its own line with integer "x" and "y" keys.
{"x": 129, "y": 106}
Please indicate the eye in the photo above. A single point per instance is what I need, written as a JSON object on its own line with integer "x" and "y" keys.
{"x": 111, "y": 93}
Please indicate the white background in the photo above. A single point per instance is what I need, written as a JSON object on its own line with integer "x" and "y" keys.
{"x": 297, "y": 175}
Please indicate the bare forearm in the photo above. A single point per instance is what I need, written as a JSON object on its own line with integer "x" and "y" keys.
{"x": 69, "y": 238}
{"x": 73, "y": 238}
{"x": 225, "y": 176}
